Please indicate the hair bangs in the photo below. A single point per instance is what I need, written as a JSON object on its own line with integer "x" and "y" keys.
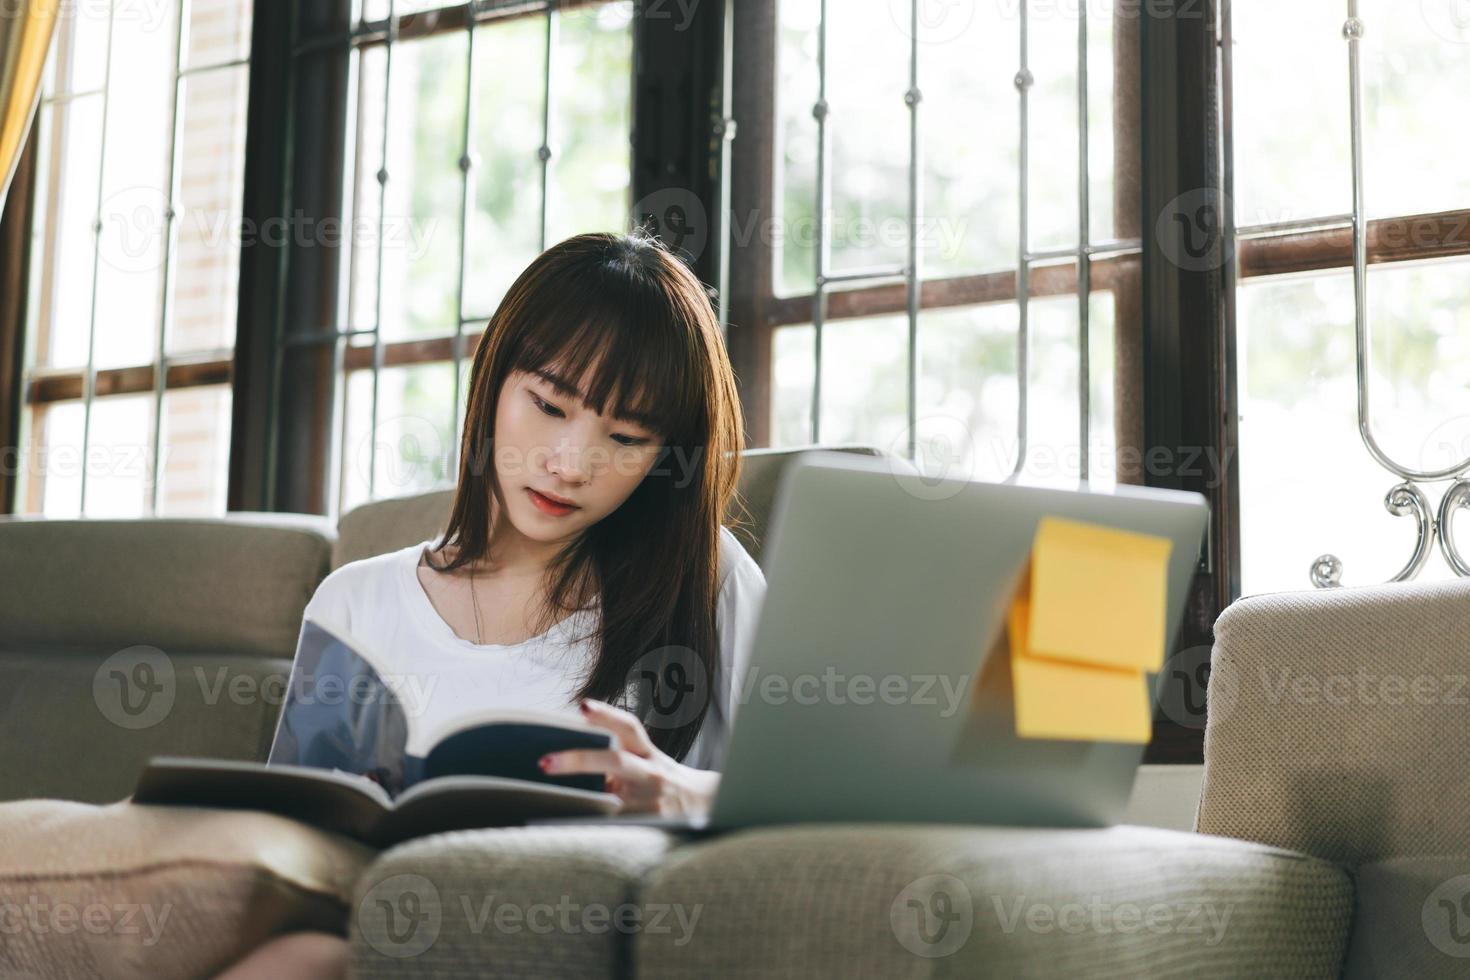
{"x": 618, "y": 344}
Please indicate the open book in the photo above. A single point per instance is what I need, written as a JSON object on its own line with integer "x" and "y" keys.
{"x": 340, "y": 758}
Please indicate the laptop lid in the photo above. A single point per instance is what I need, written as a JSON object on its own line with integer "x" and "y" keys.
{"x": 886, "y": 592}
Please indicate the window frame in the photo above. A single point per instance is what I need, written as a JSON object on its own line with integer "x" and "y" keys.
{"x": 166, "y": 372}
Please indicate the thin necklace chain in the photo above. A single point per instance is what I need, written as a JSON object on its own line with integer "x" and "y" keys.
{"x": 475, "y": 599}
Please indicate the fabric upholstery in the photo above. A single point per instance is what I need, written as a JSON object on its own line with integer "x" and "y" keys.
{"x": 524, "y": 902}
{"x": 382, "y": 526}
{"x": 1337, "y": 722}
{"x": 159, "y": 893}
{"x": 760, "y": 477}
{"x": 80, "y": 725}
{"x": 1412, "y": 920}
{"x": 912, "y": 901}
{"x": 232, "y": 585}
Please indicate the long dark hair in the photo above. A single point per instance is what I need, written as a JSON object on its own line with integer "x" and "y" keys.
{"x": 626, "y": 304}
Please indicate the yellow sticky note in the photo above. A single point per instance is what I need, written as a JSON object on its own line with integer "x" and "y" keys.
{"x": 1098, "y": 595}
{"x": 1067, "y": 700}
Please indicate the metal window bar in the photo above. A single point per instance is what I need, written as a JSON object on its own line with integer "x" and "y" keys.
{"x": 467, "y": 162}
{"x": 383, "y": 178}
{"x": 89, "y": 376}
{"x": 466, "y": 196}
{"x": 1083, "y": 253}
{"x": 1084, "y": 259}
{"x": 909, "y": 272}
{"x": 161, "y": 359}
{"x": 1405, "y": 499}
{"x": 1024, "y": 80}
{"x": 171, "y": 182}
{"x": 1353, "y": 31}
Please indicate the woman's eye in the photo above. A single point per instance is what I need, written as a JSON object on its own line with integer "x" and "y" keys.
{"x": 547, "y": 408}
{"x": 629, "y": 440}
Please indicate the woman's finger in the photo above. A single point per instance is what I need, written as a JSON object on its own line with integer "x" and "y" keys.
{"x": 624, "y": 724}
{"x": 608, "y": 762}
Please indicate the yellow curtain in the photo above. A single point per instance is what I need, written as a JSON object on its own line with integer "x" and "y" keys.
{"x": 25, "y": 36}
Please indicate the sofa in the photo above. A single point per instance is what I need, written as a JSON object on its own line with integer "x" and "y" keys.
{"x": 1328, "y": 833}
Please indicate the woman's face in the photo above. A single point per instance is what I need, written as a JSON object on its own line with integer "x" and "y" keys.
{"x": 548, "y": 442}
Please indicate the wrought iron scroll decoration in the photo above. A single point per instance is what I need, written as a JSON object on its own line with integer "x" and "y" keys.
{"x": 1405, "y": 498}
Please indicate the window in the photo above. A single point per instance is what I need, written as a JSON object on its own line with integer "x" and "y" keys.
{"x": 475, "y": 141}
{"x": 1308, "y": 485}
{"x": 925, "y": 280}
{"x": 135, "y": 245}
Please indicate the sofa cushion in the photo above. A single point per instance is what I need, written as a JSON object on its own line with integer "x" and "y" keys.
{"x": 1336, "y": 722}
{"x": 234, "y": 585}
{"x": 521, "y": 902}
{"x": 1412, "y": 920}
{"x": 946, "y": 901}
{"x": 151, "y": 892}
{"x": 80, "y": 725}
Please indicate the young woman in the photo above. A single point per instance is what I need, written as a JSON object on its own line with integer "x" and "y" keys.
{"x": 585, "y": 549}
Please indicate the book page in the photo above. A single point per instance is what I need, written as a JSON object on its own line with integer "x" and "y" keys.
{"x": 340, "y": 713}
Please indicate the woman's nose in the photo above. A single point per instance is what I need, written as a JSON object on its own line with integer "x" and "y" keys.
{"x": 568, "y": 461}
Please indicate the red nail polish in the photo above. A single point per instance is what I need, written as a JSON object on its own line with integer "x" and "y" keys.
{"x": 544, "y": 762}
{"x": 585, "y": 707}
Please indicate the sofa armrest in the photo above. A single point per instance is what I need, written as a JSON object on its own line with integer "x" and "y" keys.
{"x": 1336, "y": 722}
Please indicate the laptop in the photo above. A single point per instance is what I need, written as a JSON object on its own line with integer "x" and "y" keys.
{"x": 872, "y": 693}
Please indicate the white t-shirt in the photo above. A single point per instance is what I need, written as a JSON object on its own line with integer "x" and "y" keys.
{"x": 440, "y": 674}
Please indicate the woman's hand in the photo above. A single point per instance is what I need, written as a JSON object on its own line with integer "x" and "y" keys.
{"x": 644, "y": 778}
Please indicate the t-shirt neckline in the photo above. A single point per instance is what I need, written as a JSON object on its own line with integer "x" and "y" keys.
{"x": 440, "y": 627}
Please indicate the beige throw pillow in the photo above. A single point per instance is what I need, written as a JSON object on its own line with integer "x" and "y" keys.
{"x": 126, "y": 890}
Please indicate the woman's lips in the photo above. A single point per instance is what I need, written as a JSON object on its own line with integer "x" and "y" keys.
{"x": 548, "y": 506}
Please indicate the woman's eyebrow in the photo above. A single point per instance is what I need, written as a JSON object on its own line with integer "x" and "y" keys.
{"x": 565, "y": 387}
